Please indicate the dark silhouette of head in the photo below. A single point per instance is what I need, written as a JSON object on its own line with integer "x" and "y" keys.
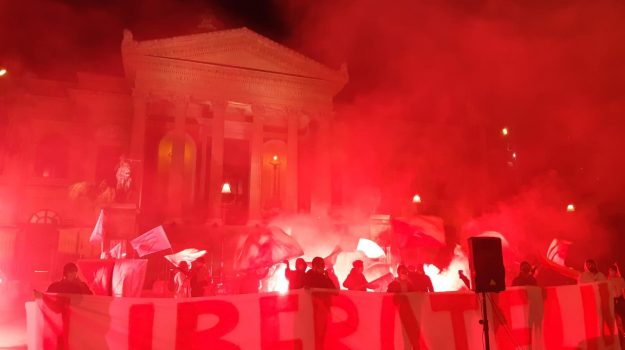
{"x": 402, "y": 272}
{"x": 358, "y": 265}
{"x": 525, "y": 268}
{"x": 70, "y": 271}
{"x": 300, "y": 264}
{"x": 318, "y": 265}
{"x": 591, "y": 266}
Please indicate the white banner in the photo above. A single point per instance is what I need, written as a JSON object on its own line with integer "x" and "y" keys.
{"x": 568, "y": 317}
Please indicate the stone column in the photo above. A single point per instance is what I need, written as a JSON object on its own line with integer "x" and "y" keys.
{"x": 137, "y": 144}
{"x": 256, "y": 166}
{"x": 217, "y": 163}
{"x": 175, "y": 198}
{"x": 321, "y": 195}
{"x": 290, "y": 202}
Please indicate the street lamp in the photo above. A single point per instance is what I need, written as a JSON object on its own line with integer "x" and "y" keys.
{"x": 225, "y": 188}
{"x": 3, "y": 72}
{"x": 504, "y": 131}
{"x": 570, "y": 208}
{"x": 416, "y": 199}
{"x": 275, "y": 162}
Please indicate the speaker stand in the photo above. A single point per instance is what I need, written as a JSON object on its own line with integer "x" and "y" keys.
{"x": 484, "y": 322}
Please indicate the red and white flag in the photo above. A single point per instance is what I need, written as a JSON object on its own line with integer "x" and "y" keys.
{"x": 557, "y": 251}
{"x": 188, "y": 255}
{"x": 150, "y": 242}
{"x": 555, "y": 257}
{"x": 97, "y": 235}
{"x": 265, "y": 247}
{"x": 419, "y": 231}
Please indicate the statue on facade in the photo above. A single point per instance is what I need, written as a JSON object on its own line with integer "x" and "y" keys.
{"x": 123, "y": 174}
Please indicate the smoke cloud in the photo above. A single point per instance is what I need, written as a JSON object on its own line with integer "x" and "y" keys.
{"x": 432, "y": 84}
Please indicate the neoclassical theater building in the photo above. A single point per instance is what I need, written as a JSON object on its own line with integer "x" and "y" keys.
{"x": 219, "y": 128}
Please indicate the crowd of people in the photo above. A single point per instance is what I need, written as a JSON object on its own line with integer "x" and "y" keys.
{"x": 409, "y": 279}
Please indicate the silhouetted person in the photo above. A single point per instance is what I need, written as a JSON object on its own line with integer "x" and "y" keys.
{"x": 296, "y": 277}
{"x": 525, "y": 276}
{"x": 418, "y": 278}
{"x": 182, "y": 282}
{"x": 591, "y": 273}
{"x": 356, "y": 279}
{"x": 70, "y": 284}
{"x": 317, "y": 276}
{"x": 402, "y": 283}
{"x": 199, "y": 277}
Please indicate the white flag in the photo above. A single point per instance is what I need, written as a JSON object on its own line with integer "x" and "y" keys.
{"x": 97, "y": 235}
{"x": 116, "y": 251}
{"x": 150, "y": 242}
{"x": 188, "y": 255}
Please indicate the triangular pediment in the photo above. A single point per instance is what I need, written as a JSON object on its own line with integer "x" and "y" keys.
{"x": 238, "y": 48}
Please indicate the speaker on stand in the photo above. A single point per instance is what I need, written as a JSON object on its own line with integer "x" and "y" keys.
{"x": 488, "y": 274}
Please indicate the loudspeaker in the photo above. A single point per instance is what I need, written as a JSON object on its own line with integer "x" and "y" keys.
{"x": 488, "y": 273}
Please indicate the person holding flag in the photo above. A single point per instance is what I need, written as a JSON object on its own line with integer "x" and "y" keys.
{"x": 182, "y": 281}
{"x": 296, "y": 277}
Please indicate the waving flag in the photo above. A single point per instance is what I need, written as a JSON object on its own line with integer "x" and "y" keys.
{"x": 330, "y": 260}
{"x": 266, "y": 247}
{"x": 555, "y": 257}
{"x": 557, "y": 251}
{"x": 419, "y": 231}
{"x": 150, "y": 242}
{"x": 117, "y": 252}
{"x": 97, "y": 235}
{"x": 188, "y": 255}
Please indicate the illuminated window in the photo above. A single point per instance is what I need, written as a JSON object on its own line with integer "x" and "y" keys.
{"x": 51, "y": 157}
{"x": 45, "y": 217}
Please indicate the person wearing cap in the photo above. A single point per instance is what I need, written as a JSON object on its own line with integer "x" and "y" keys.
{"x": 356, "y": 280}
{"x": 402, "y": 283}
{"x": 525, "y": 276}
{"x": 70, "y": 283}
{"x": 317, "y": 276}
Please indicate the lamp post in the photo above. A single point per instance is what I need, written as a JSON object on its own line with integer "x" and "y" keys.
{"x": 570, "y": 208}
{"x": 416, "y": 204}
{"x": 275, "y": 162}
{"x": 226, "y": 193}
{"x": 416, "y": 199}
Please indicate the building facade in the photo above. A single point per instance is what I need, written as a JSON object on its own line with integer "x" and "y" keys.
{"x": 218, "y": 128}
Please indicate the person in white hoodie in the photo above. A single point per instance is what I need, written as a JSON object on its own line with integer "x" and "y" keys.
{"x": 591, "y": 273}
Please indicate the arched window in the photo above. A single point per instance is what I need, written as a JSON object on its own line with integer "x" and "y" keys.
{"x": 45, "y": 217}
{"x": 51, "y": 157}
